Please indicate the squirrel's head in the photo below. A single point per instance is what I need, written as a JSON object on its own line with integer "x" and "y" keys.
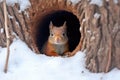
{"x": 58, "y": 35}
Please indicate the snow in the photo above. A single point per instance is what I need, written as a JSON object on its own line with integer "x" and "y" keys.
{"x": 115, "y": 1}
{"x": 24, "y": 64}
{"x": 75, "y": 1}
{"x": 89, "y": 31}
{"x": 92, "y": 38}
{"x": 84, "y": 20}
{"x": 23, "y": 4}
{"x": 26, "y": 13}
{"x": 107, "y": 0}
{"x": 97, "y": 15}
{"x": 97, "y": 2}
{"x": 17, "y": 23}
{"x": 1, "y": 1}
{"x": 10, "y": 17}
{"x": 1, "y": 30}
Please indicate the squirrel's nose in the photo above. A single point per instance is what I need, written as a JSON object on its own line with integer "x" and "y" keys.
{"x": 58, "y": 39}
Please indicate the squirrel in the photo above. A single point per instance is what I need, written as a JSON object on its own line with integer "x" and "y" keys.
{"x": 57, "y": 43}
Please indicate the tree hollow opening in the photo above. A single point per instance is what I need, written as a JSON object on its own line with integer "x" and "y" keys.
{"x": 58, "y": 18}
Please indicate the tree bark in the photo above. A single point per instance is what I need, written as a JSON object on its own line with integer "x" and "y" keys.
{"x": 100, "y": 28}
{"x": 17, "y": 24}
{"x": 102, "y": 39}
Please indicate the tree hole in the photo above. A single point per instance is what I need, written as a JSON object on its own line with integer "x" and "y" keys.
{"x": 58, "y": 18}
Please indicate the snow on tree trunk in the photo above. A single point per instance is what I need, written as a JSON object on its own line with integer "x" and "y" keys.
{"x": 99, "y": 28}
{"x": 17, "y": 24}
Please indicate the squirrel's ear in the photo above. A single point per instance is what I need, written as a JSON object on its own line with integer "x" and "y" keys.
{"x": 51, "y": 25}
{"x": 64, "y": 25}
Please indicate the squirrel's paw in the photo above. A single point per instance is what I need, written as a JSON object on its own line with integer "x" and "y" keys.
{"x": 68, "y": 54}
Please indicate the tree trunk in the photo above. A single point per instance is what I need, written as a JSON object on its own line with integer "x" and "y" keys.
{"x": 17, "y": 24}
{"x": 99, "y": 28}
{"x": 102, "y": 36}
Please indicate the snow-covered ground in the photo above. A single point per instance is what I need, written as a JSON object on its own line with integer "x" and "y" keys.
{"x": 26, "y": 65}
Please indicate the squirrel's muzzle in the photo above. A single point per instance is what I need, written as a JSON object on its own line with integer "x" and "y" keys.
{"x": 58, "y": 39}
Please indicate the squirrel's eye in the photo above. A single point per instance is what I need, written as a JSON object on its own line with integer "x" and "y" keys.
{"x": 63, "y": 34}
{"x": 51, "y": 34}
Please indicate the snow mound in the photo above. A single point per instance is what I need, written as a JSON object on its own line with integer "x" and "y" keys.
{"x": 26, "y": 65}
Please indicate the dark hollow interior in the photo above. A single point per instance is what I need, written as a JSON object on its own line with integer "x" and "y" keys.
{"x": 58, "y": 18}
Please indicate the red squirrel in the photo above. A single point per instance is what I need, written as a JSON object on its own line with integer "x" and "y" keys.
{"x": 57, "y": 43}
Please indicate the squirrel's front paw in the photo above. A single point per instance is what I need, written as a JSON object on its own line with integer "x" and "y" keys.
{"x": 68, "y": 54}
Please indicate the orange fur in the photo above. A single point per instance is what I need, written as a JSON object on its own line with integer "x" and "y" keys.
{"x": 57, "y": 43}
{"x": 49, "y": 49}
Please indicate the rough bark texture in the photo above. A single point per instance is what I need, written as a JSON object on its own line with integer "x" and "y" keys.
{"x": 17, "y": 24}
{"x": 100, "y": 29}
{"x": 102, "y": 39}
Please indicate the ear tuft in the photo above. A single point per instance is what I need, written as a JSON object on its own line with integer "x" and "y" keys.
{"x": 51, "y": 25}
{"x": 64, "y": 25}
